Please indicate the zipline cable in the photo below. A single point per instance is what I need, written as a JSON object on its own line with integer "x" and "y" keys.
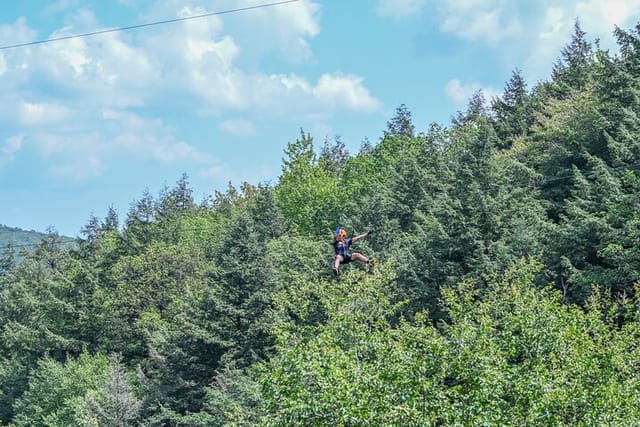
{"x": 148, "y": 24}
{"x": 27, "y": 245}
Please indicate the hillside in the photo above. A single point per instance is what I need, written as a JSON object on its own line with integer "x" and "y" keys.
{"x": 18, "y": 238}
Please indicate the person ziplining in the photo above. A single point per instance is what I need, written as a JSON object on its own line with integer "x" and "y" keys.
{"x": 341, "y": 245}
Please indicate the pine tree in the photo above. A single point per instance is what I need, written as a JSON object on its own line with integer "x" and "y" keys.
{"x": 111, "y": 222}
{"x": 401, "y": 124}
{"x": 513, "y": 116}
{"x": 333, "y": 157}
{"x": 476, "y": 108}
{"x": 571, "y": 72}
{"x": 112, "y": 403}
{"x": 176, "y": 201}
{"x": 7, "y": 262}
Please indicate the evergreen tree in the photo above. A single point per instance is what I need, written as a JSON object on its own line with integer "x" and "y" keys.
{"x": 491, "y": 212}
{"x": 333, "y": 157}
{"x": 513, "y": 115}
{"x": 7, "y": 262}
{"x": 401, "y": 124}
{"x": 43, "y": 312}
{"x": 176, "y": 201}
{"x": 476, "y": 108}
{"x": 571, "y": 72}
{"x": 91, "y": 231}
{"x": 57, "y": 390}
{"x": 113, "y": 402}
{"x": 139, "y": 223}
{"x": 111, "y": 222}
{"x": 419, "y": 203}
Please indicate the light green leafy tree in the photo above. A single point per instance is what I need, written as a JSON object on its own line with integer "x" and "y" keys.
{"x": 56, "y": 391}
{"x": 510, "y": 354}
{"x": 307, "y": 193}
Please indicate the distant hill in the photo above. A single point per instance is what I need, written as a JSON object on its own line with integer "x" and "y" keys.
{"x": 19, "y": 238}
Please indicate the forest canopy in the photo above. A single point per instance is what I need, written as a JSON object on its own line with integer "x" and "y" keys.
{"x": 505, "y": 289}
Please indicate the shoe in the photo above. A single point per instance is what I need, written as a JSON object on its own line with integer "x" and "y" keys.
{"x": 335, "y": 272}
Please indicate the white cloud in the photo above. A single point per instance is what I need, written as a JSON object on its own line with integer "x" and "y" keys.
{"x": 225, "y": 173}
{"x": 285, "y": 94}
{"x": 62, "y": 144}
{"x": 80, "y": 168}
{"x": 78, "y": 156}
{"x": 601, "y": 16}
{"x": 148, "y": 137}
{"x": 12, "y": 145}
{"x": 345, "y": 90}
{"x": 192, "y": 66}
{"x": 200, "y": 60}
{"x": 488, "y": 21}
{"x": 238, "y": 127}
{"x": 93, "y": 71}
{"x": 553, "y": 24}
{"x": 16, "y": 33}
{"x": 175, "y": 151}
{"x": 530, "y": 35}
{"x": 61, "y": 5}
{"x": 33, "y": 114}
{"x": 460, "y": 93}
{"x": 196, "y": 59}
{"x": 80, "y": 152}
{"x": 399, "y": 9}
{"x": 488, "y": 26}
{"x": 553, "y": 28}
{"x": 493, "y": 21}
{"x": 552, "y": 33}
{"x": 219, "y": 171}
{"x": 283, "y": 29}
{"x": 73, "y": 54}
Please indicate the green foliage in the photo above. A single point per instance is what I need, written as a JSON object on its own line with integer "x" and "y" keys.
{"x": 233, "y": 398}
{"x": 56, "y": 391}
{"x": 571, "y": 72}
{"x": 509, "y": 355}
{"x": 308, "y": 194}
{"x": 513, "y": 111}
{"x": 229, "y": 315}
{"x": 114, "y": 402}
{"x": 336, "y": 372}
{"x": 13, "y": 380}
{"x": 401, "y": 124}
{"x": 42, "y": 312}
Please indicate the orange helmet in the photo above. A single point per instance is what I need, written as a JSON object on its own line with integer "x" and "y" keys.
{"x": 341, "y": 234}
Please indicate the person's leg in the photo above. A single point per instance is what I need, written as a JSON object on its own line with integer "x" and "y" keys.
{"x": 363, "y": 259}
{"x": 360, "y": 257}
{"x": 336, "y": 264}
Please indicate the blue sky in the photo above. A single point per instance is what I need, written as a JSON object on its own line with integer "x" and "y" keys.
{"x": 93, "y": 122}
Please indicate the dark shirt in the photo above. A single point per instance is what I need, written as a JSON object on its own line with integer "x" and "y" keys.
{"x": 342, "y": 248}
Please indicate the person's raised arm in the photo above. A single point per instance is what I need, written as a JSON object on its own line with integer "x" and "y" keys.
{"x": 360, "y": 236}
